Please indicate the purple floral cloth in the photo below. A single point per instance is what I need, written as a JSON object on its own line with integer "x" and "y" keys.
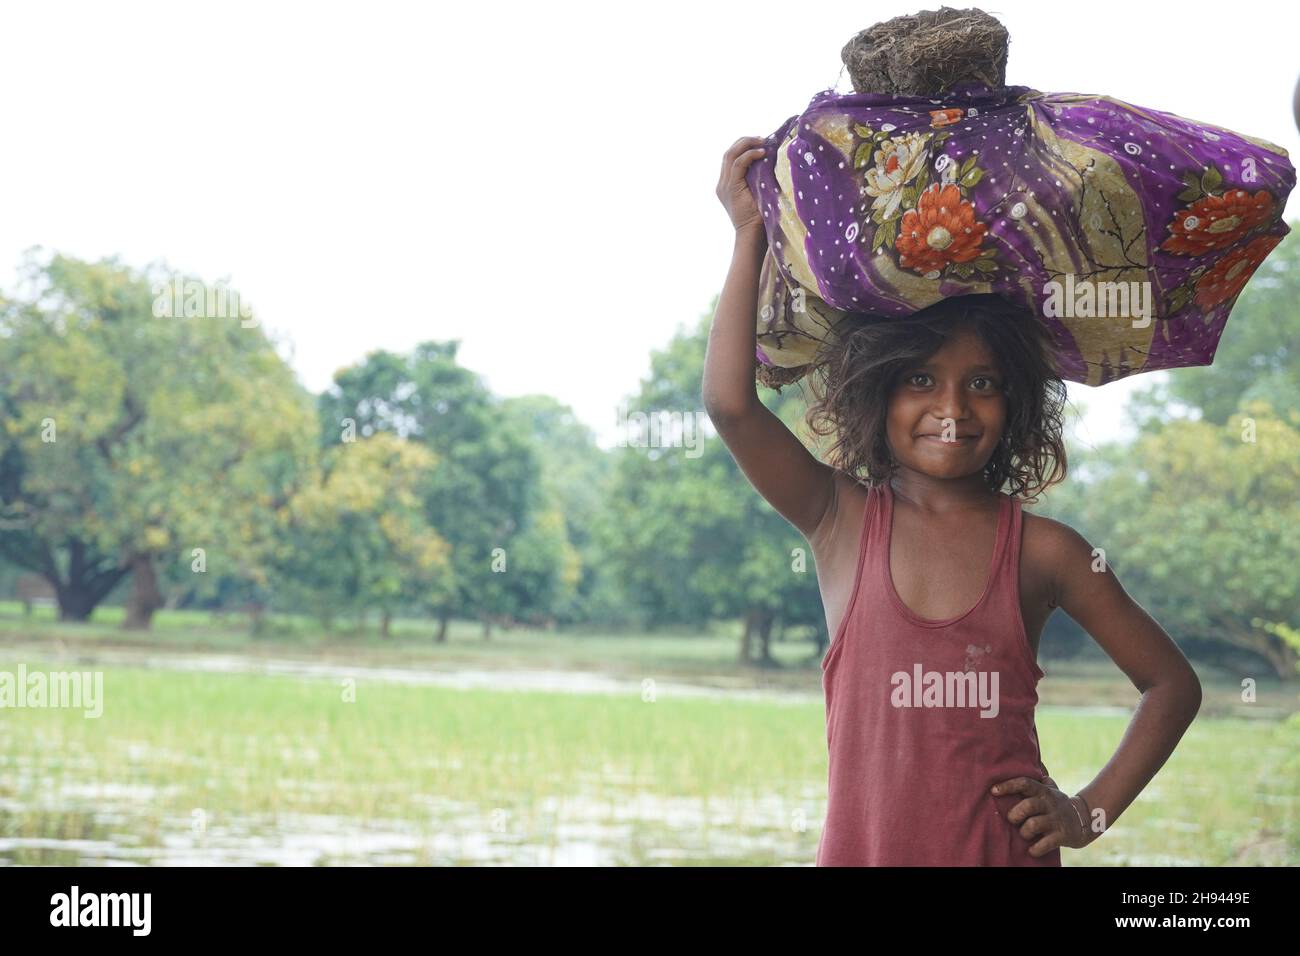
{"x": 1128, "y": 231}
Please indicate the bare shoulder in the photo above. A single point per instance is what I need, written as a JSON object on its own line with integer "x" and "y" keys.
{"x": 1052, "y": 537}
{"x": 1055, "y": 548}
{"x": 843, "y": 518}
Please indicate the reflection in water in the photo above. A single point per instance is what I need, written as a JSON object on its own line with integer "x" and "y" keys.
{"x": 118, "y": 829}
{"x": 50, "y": 815}
{"x": 514, "y": 679}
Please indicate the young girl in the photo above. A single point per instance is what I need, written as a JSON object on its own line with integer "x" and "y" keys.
{"x": 934, "y": 595}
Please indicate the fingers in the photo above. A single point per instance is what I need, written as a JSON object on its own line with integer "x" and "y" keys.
{"x": 1038, "y": 825}
{"x": 742, "y": 144}
{"x": 1029, "y": 808}
{"x": 741, "y": 153}
{"x": 1025, "y": 785}
{"x": 1053, "y": 832}
{"x": 1046, "y": 845}
{"x": 1042, "y": 819}
{"x": 1036, "y": 815}
{"x": 740, "y": 165}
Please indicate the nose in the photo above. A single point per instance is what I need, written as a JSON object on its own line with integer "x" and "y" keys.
{"x": 950, "y": 401}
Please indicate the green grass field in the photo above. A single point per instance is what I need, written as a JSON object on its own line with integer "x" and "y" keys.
{"x": 206, "y": 766}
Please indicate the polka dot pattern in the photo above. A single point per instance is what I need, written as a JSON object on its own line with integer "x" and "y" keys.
{"x": 877, "y": 206}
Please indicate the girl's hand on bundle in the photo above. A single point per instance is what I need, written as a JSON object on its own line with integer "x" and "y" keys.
{"x": 1047, "y": 817}
{"x": 733, "y": 190}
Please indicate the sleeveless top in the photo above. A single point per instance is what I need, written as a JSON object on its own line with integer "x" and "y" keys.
{"x": 923, "y": 717}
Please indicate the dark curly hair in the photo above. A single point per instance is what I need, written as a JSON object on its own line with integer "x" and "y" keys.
{"x": 858, "y": 371}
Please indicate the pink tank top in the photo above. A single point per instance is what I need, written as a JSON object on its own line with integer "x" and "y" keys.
{"x": 923, "y": 717}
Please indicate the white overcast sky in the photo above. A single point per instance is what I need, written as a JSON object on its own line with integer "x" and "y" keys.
{"x": 534, "y": 179}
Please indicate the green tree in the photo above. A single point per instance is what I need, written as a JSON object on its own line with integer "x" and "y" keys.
{"x": 575, "y": 476}
{"x": 1198, "y": 519}
{"x": 686, "y": 535}
{"x": 356, "y": 539}
{"x": 128, "y": 437}
{"x": 486, "y": 485}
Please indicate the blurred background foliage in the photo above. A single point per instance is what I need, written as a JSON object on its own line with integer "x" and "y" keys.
{"x": 177, "y": 463}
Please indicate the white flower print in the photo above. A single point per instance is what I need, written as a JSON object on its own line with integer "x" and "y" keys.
{"x": 897, "y": 163}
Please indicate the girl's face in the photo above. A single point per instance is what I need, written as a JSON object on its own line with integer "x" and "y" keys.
{"x": 957, "y": 393}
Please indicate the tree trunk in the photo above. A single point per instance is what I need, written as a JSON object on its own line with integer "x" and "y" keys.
{"x": 765, "y": 638}
{"x": 256, "y": 618}
{"x": 1281, "y": 657}
{"x": 75, "y": 603}
{"x": 145, "y": 597}
{"x": 385, "y": 620}
{"x": 441, "y": 636}
{"x": 82, "y": 592}
{"x": 89, "y": 581}
{"x": 747, "y": 639}
{"x": 487, "y": 628}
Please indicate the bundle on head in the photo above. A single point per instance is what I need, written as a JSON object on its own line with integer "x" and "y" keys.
{"x": 929, "y": 52}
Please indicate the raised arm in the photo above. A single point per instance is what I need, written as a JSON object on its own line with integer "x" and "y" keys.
{"x": 777, "y": 464}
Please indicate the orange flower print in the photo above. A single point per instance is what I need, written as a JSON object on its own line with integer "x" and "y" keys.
{"x": 1231, "y": 273}
{"x": 1216, "y": 222}
{"x": 941, "y": 229}
{"x": 945, "y": 117}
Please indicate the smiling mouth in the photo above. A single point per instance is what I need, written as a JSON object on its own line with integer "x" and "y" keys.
{"x": 960, "y": 440}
